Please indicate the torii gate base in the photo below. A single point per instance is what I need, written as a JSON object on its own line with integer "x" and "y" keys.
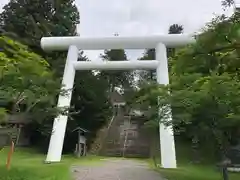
{"x": 73, "y": 44}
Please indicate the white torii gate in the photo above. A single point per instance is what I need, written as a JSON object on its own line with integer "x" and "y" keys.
{"x": 74, "y": 43}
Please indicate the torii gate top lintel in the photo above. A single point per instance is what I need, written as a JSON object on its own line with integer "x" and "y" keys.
{"x": 116, "y": 42}
{"x": 160, "y": 64}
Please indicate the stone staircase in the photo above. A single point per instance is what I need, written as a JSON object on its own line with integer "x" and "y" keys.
{"x": 100, "y": 138}
{"x": 122, "y": 137}
{"x": 114, "y": 143}
{"x": 97, "y": 146}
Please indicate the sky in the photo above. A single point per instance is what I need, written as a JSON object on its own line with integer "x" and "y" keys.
{"x": 104, "y": 18}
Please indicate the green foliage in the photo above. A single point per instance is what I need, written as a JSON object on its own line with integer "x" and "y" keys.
{"x": 149, "y": 54}
{"x": 28, "y": 21}
{"x": 195, "y": 172}
{"x": 144, "y": 75}
{"x": 26, "y": 80}
{"x": 31, "y": 20}
{"x": 3, "y": 113}
{"x": 122, "y": 79}
{"x": 90, "y": 106}
{"x": 204, "y": 90}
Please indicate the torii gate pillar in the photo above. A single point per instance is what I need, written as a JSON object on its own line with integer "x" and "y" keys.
{"x": 74, "y": 43}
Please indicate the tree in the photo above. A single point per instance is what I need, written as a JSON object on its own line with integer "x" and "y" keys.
{"x": 26, "y": 81}
{"x": 28, "y": 21}
{"x": 90, "y": 106}
{"x": 227, "y": 3}
{"x": 149, "y": 54}
{"x": 147, "y": 81}
{"x": 121, "y": 79}
{"x": 33, "y": 19}
{"x": 174, "y": 29}
{"x": 204, "y": 88}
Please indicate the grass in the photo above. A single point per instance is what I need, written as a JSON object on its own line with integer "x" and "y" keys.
{"x": 188, "y": 171}
{"x": 27, "y": 165}
{"x": 195, "y": 172}
{"x": 207, "y": 170}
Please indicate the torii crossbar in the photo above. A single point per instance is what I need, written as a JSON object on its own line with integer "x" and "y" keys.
{"x": 75, "y": 43}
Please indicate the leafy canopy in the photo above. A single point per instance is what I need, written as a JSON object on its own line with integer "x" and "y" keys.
{"x": 26, "y": 80}
{"x": 205, "y": 87}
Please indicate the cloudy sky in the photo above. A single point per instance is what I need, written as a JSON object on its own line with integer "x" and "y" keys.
{"x": 141, "y": 17}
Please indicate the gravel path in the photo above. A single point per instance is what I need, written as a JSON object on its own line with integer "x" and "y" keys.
{"x": 119, "y": 169}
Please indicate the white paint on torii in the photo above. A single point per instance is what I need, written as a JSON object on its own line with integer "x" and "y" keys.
{"x": 74, "y": 43}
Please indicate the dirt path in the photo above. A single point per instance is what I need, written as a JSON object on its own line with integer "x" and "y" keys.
{"x": 119, "y": 169}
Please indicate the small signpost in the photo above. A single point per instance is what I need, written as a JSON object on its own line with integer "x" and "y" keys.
{"x": 81, "y": 147}
{"x": 9, "y": 158}
{"x": 4, "y": 141}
